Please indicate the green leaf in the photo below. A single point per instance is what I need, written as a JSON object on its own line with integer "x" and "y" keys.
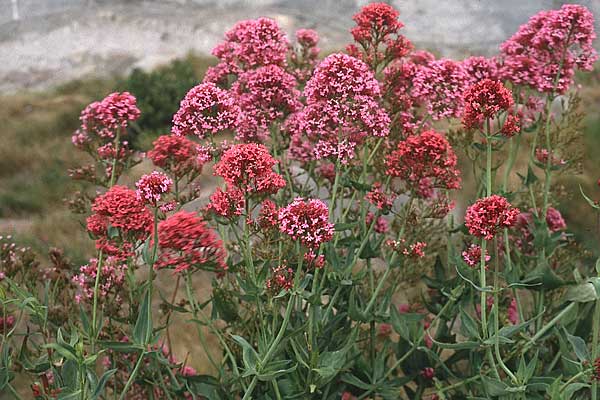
{"x": 66, "y": 351}
{"x": 571, "y": 388}
{"x": 494, "y": 387}
{"x": 584, "y": 292}
{"x": 579, "y": 346}
{"x": 102, "y": 382}
{"x": 69, "y": 395}
{"x": 591, "y": 202}
{"x": 249, "y": 355}
{"x": 142, "y": 332}
{"x": 468, "y": 324}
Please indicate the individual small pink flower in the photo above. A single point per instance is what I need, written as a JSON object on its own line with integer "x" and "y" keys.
{"x": 489, "y": 215}
{"x": 187, "y": 242}
{"x": 282, "y": 278}
{"x": 385, "y": 330}
{"x": 306, "y": 221}
{"x": 472, "y": 256}
{"x": 151, "y": 187}
{"x": 7, "y": 323}
{"x": 484, "y": 101}
{"x": 314, "y": 261}
{"x": 205, "y": 110}
{"x": 428, "y": 373}
{"x": 249, "y": 167}
{"x": 381, "y": 224}
{"x": 415, "y": 250}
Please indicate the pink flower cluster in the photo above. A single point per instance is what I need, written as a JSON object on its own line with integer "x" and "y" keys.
{"x": 484, "y": 101}
{"x": 379, "y": 199}
{"x": 545, "y": 51}
{"x": 472, "y": 256}
{"x": 282, "y": 278}
{"x": 440, "y": 85}
{"x": 205, "y": 109}
{"x": 249, "y": 167}
{"x": 102, "y": 119}
{"x": 425, "y": 162}
{"x": 306, "y": 221}
{"x": 489, "y": 215}
{"x": 265, "y": 95}
{"x": 479, "y": 68}
{"x": 151, "y": 187}
{"x": 112, "y": 277}
{"x": 178, "y": 155}
{"x": 249, "y": 44}
{"x": 227, "y": 203}
{"x": 186, "y": 242}
{"x": 304, "y": 58}
{"x": 342, "y": 102}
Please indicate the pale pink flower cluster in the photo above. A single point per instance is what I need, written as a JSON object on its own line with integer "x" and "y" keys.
{"x": 472, "y": 256}
{"x": 306, "y": 221}
{"x": 151, "y": 187}
{"x": 205, "y": 109}
{"x": 551, "y": 45}
{"x": 112, "y": 276}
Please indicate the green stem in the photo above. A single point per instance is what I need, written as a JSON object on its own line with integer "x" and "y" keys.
{"x": 133, "y": 375}
{"x": 595, "y": 332}
{"x": 546, "y": 327}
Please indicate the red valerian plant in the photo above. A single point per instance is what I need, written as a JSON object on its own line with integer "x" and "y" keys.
{"x": 337, "y": 196}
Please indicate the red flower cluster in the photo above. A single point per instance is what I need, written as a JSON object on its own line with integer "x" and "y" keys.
{"x": 490, "y": 214}
{"x": 472, "y": 256}
{"x": 151, "y": 187}
{"x": 102, "y": 119}
{"x": 205, "y": 109}
{"x": 227, "y": 203}
{"x": 265, "y": 95}
{"x": 186, "y": 242}
{"x": 551, "y": 44}
{"x": 269, "y": 215}
{"x": 377, "y": 24}
{"x": 379, "y": 199}
{"x": 425, "y": 162}
{"x": 484, "y": 101}
{"x": 119, "y": 208}
{"x": 307, "y": 221}
{"x": 249, "y": 167}
{"x": 249, "y": 44}
{"x": 178, "y": 155}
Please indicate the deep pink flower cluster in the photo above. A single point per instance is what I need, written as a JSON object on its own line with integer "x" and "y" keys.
{"x": 227, "y": 203}
{"x": 178, "y": 155}
{"x": 551, "y": 45}
{"x": 268, "y": 216}
{"x": 303, "y": 59}
{"x": 441, "y": 84}
{"x": 397, "y": 87}
{"x": 7, "y": 323}
{"x": 342, "y": 100}
{"x": 102, "y": 119}
{"x": 472, "y": 256}
{"x": 381, "y": 224}
{"x": 489, "y": 215}
{"x": 112, "y": 277}
{"x": 479, "y": 68}
{"x": 282, "y": 278}
{"x": 249, "y": 167}
{"x": 512, "y": 125}
{"x": 425, "y": 162}
{"x": 249, "y": 44}
{"x": 377, "y": 25}
{"x": 120, "y": 208}
{"x": 525, "y": 226}
{"x": 306, "y": 221}
{"x": 205, "y": 109}
{"x": 484, "y": 101}
{"x": 541, "y": 155}
{"x": 265, "y": 95}
{"x": 151, "y": 187}
{"x": 379, "y": 199}
{"x": 187, "y": 242}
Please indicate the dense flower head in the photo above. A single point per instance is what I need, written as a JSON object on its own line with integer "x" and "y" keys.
{"x": 265, "y": 95}
{"x": 489, "y": 215}
{"x": 268, "y": 216}
{"x": 120, "y": 208}
{"x": 249, "y": 167}
{"x": 112, "y": 277}
{"x": 304, "y": 56}
{"x": 307, "y": 37}
{"x": 485, "y": 100}
{"x": 177, "y": 155}
{"x": 472, "y": 256}
{"x": 205, "y": 109}
{"x": 551, "y": 44}
{"x": 511, "y": 126}
{"x": 479, "y": 68}
{"x": 424, "y": 161}
{"x": 380, "y": 225}
{"x": 187, "y": 242}
{"x": 227, "y": 203}
{"x": 151, "y": 187}
{"x": 441, "y": 84}
{"x": 375, "y": 19}
{"x": 307, "y": 221}
{"x": 104, "y": 118}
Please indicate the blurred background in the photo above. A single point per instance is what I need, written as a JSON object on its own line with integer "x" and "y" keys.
{"x": 56, "y": 56}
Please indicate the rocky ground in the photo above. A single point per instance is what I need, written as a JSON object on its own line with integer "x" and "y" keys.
{"x": 47, "y": 42}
